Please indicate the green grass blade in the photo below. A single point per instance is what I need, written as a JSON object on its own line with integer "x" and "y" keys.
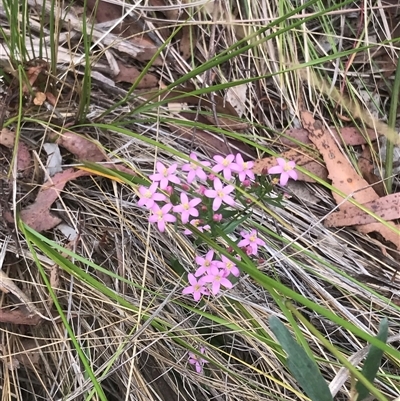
{"x": 372, "y": 361}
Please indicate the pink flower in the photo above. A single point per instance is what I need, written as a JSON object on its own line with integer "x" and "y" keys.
{"x": 197, "y": 360}
{"x": 187, "y": 208}
{"x": 243, "y": 168}
{"x": 285, "y": 169}
{"x": 149, "y": 196}
{"x": 217, "y": 278}
{"x": 251, "y": 241}
{"x": 220, "y": 194}
{"x": 196, "y": 288}
{"x": 196, "y": 222}
{"x": 195, "y": 170}
{"x": 161, "y": 216}
{"x": 226, "y": 165}
{"x": 165, "y": 175}
{"x": 205, "y": 264}
{"x": 228, "y": 266}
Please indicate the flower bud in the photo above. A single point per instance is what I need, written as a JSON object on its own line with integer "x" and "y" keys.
{"x": 169, "y": 190}
{"x": 217, "y": 217}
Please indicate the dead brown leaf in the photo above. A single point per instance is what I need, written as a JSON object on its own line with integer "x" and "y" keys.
{"x": 348, "y": 136}
{"x": 81, "y": 147}
{"x": 130, "y": 28}
{"x": 344, "y": 177}
{"x": 387, "y": 207}
{"x": 131, "y": 74}
{"x": 37, "y": 215}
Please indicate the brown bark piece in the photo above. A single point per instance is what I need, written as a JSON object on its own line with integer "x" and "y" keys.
{"x": 344, "y": 177}
{"x": 387, "y": 208}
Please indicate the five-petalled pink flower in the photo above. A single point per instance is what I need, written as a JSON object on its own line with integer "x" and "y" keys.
{"x": 244, "y": 169}
{"x": 149, "y": 195}
{"x": 161, "y": 216}
{"x": 251, "y": 242}
{"x": 220, "y": 194}
{"x": 285, "y": 169}
{"x": 226, "y": 165}
{"x": 187, "y": 208}
{"x": 196, "y": 287}
{"x": 165, "y": 175}
{"x": 217, "y": 279}
{"x": 197, "y": 360}
{"x": 195, "y": 170}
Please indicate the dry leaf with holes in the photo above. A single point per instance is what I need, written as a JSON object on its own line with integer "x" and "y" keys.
{"x": 387, "y": 208}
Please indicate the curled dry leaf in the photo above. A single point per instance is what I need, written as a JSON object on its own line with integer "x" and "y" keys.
{"x": 82, "y": 148}
{"x": 37, "y": 215}
{"x": 131, "y": 74}
{"x": 387, "y": 208}
{"x": 344, "y": 177}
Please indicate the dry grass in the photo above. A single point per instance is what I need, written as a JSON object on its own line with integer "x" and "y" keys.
{"x": 138, "y": 353}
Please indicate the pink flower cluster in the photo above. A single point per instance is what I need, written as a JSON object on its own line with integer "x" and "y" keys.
{"x": 187, "y": 208}
{"x": 200, "y": 200}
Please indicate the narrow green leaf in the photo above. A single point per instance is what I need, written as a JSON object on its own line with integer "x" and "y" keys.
{"x": 303, "y": 368}
{"x": 372, "y": 361}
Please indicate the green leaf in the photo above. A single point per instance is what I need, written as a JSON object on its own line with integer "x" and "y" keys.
{"x": 303, "y": 368}
{"x": 372, "y": 361}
